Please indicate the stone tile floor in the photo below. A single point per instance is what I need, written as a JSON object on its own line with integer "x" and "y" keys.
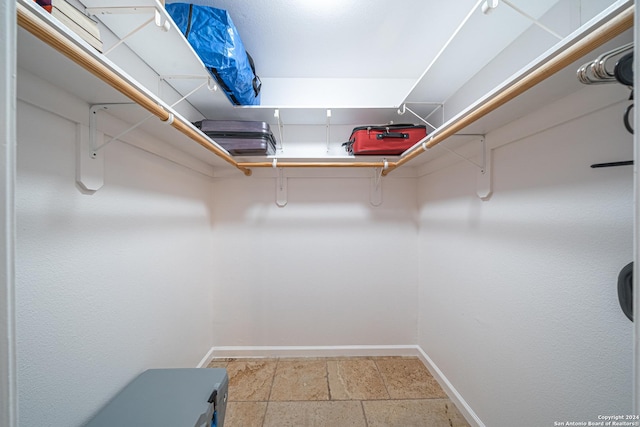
{"x": 336, "y": 392}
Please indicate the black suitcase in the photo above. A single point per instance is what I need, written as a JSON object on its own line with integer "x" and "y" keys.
{"x": 240, "y": 138}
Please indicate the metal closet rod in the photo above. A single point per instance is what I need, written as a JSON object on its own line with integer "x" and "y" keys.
{"x": 606, "y": 32}
{"x": 33, "y": 24}
{"x": 616, "y": 26}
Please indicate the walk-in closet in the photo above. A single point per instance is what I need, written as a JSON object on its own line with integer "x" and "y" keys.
{"x": 493, "y": 253}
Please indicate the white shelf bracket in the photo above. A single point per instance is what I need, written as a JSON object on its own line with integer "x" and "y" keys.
{"x": 402, "y": 110}
{"x": 484, "y": 184}
{"x": 97, "y": 107}
{"x": 276, "y": 114}
{"x": 489, "y": 5}
{"x": 481, "y": 138}
{"x": 281, "y": 186}
{"x": 207, "y": 83}
{"x": 211, "y": 85}
{"x": 97, "y": 144}
{"x": 157, "y": 18}
{"x": 328, "y": 129}
{"x": 375, "y": 188}
{"x": 89, "y": 163}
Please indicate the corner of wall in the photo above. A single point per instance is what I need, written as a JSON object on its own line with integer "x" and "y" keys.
{"x": 465, "y": 409}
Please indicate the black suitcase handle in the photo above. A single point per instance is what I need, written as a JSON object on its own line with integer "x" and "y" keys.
{"x": 392, "y": 135}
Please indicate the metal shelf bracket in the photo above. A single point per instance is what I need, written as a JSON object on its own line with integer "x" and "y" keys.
{"x": 484, "y": 184}
{"x": 489, "y": 5}
{"x": 211, "y": 85}
{"x": 157, "y": 19}
{"x": 439, "y": 106}
{"x": 89, "y": 163}
{"x": 91, "y": 141}
{"x": 276, "y": 114}
{"x": 482, "y": 140}
{"x": 96, "y": 139}
{"x": 281, "y": 186}
{"x": 97, "y": 107}
{"x": 375, "y": 189}
{"x": 328, "y": 128}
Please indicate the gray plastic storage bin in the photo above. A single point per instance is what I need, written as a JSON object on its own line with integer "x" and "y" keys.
{"x": 169, "y": 398}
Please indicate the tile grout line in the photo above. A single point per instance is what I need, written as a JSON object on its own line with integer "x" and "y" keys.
{"x": 264, "y": 415}
{"x": 326, "y": 371}
{"x": 364, "y": 414}
{"x": 273, "y": 380}
{"x": 384, "y": 381}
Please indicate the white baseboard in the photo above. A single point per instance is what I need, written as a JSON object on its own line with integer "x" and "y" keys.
{"x": 310, "y": 351}
{"x": 462, "y": 405}
{"x": 206, "y": 359}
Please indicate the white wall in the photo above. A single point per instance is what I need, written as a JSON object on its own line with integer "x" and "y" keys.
{"x": 108, "y": 284}
{"x": 328, "y": 269}
{"x": 518, "y": 296}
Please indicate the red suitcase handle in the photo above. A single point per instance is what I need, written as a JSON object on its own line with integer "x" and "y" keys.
{"x": 392, "y": 135}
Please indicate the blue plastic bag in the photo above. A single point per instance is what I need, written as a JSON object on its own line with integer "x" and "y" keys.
{"x": 215, "y": 39}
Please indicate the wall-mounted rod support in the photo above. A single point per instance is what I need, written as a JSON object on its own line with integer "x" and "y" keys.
{"x": 47, "y": 34}
{"x": 281, "y": 189}
{"x": 328, "y": 128}
{"x": 375, "y": 190}
{"x": 525, "y": 81}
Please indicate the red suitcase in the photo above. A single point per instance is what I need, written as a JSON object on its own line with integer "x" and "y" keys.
{"x": 389, "y": 140}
